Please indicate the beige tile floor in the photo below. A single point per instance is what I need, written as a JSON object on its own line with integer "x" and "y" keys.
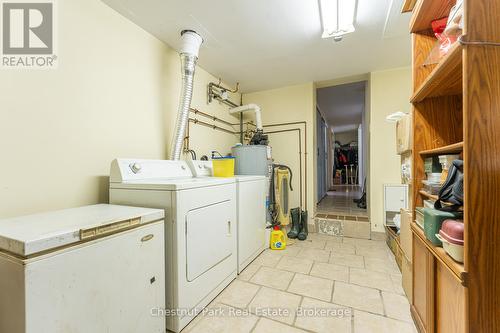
{"x": 323, "y": 284}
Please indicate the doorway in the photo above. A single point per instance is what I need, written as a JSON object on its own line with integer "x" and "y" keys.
{"x": 341, "y": 115}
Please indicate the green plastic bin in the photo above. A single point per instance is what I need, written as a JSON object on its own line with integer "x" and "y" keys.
{"x": 433, "y": 219}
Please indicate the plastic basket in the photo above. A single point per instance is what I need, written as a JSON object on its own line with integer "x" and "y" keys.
{"x": 223, "y": 166}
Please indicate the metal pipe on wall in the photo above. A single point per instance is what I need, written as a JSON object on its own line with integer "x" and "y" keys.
{"x": 214, "y": 118}
{"x": 305, "y": 148}
{"x": 215, "y": 127}
{"x": 217, "y": 95}
{"x": 300, "y": 163}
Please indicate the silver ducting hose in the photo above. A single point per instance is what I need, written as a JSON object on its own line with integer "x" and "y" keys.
{"x": 191, "y": 43}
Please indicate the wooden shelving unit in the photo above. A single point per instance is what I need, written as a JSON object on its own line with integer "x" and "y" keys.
{"x": 445, "y": 78}
{"x": 456, "y": 104}
{"x": 408, "y": 6}
{"x": 454, "y": 148}
{"x": 428, "y": 195}
{"x": 455, "y": 267}
{"x": 425, "y": 11}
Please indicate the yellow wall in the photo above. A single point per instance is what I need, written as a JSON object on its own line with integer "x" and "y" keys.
{"x": 290, "y": 104}
{"x": 389, "y": 92}
{"x": 114, "y": 94}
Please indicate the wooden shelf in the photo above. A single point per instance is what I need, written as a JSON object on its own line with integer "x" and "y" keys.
{"x": 440, "y": 254}
{"x": 426, "y": 11}
{"x": 455, "y": 148}
{"x": 428, "y": 195}
{"x": 445, "y": 79}
{"x": 408, "y": 6}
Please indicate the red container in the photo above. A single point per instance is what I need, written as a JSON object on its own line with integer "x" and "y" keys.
{"x": 453, "y": 231}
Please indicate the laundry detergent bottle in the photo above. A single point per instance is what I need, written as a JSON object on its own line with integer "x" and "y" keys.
{"x": 278, "y": 240}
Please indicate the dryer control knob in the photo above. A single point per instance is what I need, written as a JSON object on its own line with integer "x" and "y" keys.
{"x": 135, "y": 167}
{"x": 183, "y": 167}
{"x": 199, "y": 166}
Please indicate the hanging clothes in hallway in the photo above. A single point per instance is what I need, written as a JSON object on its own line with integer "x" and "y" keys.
{"x": 345, "y": 168}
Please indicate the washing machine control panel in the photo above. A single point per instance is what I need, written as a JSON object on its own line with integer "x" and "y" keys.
{"x": 201, "y": 168}
{"x": 135, "y": 169}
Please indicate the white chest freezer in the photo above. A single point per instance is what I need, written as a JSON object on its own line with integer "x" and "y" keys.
{"x": 93, "y": 269}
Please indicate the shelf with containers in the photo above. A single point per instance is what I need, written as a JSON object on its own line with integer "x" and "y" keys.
{"x": 456, "y": 107}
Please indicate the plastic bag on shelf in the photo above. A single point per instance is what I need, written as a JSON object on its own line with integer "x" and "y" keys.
{"x": 455, "y": 23}
{"x": 447, "y": 31}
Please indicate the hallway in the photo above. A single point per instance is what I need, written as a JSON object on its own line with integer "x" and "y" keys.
{"x": 339, "y": 201}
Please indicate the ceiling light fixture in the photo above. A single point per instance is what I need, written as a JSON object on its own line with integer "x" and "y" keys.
{"x": 337, "y": 17}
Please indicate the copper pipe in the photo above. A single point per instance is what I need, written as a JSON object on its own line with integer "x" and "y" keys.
{"x": 200, "y": 122}
{"x": 216, "y": 95}
{"x": 214, "y": 118}
{"x": 215, "y": 127}
{"x": 300, "y": 160}
{"x": 220, "y": 86}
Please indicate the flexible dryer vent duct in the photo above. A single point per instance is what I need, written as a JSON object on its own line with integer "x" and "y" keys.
{"x": 190, "y": 47}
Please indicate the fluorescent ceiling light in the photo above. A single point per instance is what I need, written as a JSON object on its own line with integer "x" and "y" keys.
{"x": 337, "y": 17}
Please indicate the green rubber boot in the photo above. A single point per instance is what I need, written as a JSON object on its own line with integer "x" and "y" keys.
{"x": 294, "y": 231}
{"x": 303, "y": 230}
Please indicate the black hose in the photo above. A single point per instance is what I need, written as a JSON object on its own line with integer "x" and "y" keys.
{"x": 193, "y": 154}
{"x": 282, "y": 166}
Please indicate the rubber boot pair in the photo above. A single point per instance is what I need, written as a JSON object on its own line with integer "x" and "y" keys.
{"x": 299, "y": 224}
{"x": 303, "y": 228}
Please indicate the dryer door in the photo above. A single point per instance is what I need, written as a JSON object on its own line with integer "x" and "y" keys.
{"x": 209, "y": 238}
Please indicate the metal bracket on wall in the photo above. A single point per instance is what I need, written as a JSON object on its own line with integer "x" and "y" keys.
{"x": 220, "y": 93}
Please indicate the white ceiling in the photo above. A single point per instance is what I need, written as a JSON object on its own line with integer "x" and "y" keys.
{"x": 272, "y": 43}
{"x": 342, "y": 105}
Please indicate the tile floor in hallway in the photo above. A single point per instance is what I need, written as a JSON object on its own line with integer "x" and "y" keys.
{"x": 339, "y": 201}
{"x": 323, "y": 284}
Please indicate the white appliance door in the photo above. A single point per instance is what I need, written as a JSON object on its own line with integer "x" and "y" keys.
{"x": 251, "y": 221}
{"x": 395, "y": 198}
{"x": 107, "y": 285}
{"x": 209, "y": 238}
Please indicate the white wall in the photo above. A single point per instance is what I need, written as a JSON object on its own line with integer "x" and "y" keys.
{"x": 290, "y": 104}
{"x": 346, "y": 137}
{"x": 389, "y": 92}
{"x": 115, "y": 94}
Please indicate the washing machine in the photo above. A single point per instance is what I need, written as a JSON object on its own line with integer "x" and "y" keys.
{"x": 200, "y": 229}
{"x": 251, "y": 194}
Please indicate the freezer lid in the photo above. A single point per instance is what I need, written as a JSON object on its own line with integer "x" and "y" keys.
{"x": 26, "y": 235}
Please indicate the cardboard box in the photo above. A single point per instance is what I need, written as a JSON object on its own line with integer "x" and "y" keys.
{"x": 405, "y": 235}
{"x": 406, "y": 271}
{"x": 403, "y": 134}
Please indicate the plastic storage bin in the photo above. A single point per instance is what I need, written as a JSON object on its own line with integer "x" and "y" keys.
{"x": 223, "y": 166}
{"x": 433, "y": 219}
{"x": 452, "y": 237}
{"x": 419, "y": 216}
{"x": 431, "y": 187}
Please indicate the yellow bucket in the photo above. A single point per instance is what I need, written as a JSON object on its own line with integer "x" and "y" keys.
{"x": 223, "y": 166}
